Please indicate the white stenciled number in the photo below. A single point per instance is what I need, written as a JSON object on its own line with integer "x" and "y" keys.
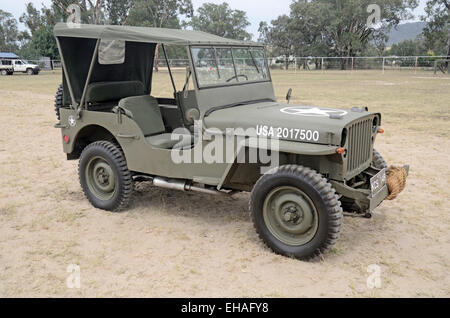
{"x": 302, "y": 134}
{"x": 285, "y": 133}
{"x": 316, "y": 135}
{"x": 309, "y": 135}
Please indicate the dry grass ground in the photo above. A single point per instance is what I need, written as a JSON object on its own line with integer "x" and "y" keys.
{"x": 180, "y": 244}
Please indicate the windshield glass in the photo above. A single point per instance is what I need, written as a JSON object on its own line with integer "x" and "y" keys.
{"x": 218, "y": 66}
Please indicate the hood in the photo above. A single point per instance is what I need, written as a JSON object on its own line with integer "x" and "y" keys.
{"x": 301, "y": 123}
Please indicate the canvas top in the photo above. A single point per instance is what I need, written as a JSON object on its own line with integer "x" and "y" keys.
{"x": 144, "y": 34}
{"x": 7, "y": 55}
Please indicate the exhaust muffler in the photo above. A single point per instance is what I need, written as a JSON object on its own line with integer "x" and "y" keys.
{"x": 179, "y": 185}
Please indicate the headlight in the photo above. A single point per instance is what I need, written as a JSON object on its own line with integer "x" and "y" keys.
{"x": 344, "y": 137}
{"x": 375, "y": 124}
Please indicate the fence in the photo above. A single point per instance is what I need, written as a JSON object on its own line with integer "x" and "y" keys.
{"x": 397, "y": 63}
{"x": 46, "y": 64}
{"x": 436, "y": 64}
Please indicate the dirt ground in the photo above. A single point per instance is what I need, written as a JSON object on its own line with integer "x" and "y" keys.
{"x": 180, "y": 244}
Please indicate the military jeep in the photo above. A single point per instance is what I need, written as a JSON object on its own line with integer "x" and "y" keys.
{"x": 321, "y": 160}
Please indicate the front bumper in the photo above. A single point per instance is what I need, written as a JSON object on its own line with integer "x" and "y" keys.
{"x": 362, "y": 197}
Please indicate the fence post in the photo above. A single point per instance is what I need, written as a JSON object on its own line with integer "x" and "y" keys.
{"x": 384, "y": 61}
{"x": 353, "y": 63}
{"x": 415, "y": 67}
{"x": 322, "y": 65}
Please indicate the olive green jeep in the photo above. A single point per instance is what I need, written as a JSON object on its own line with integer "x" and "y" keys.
{"x": 303, "y": 165}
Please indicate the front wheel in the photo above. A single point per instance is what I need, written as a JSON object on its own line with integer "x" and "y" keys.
{"x": 378, "y": 161}
{"x": 30, "y": 71}
{"x": 296, "y": 212}
{"x": 104, "y": 176}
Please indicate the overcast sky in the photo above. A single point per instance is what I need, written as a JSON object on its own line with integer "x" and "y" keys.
{"x": 257, "y": 10}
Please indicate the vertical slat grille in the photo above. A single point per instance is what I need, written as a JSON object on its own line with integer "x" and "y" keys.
{"x": 359, "y": 145}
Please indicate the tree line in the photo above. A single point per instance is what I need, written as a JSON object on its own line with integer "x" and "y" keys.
{"x": 312, "y": 28}
{"x": 340, "y": 28}
{"x": 37, "y": 40}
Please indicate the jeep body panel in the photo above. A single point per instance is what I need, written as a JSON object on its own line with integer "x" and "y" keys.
{"x": 283, "y": 116}
{"x": 140, "y": 155}
{"x": 210, "y": 98}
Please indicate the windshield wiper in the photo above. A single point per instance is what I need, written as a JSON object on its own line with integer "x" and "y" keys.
{"x": 254, "y": 61}
{"x": 211, "y": 110}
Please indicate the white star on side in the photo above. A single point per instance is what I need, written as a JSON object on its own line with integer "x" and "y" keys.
{"x": 72, "y": 121}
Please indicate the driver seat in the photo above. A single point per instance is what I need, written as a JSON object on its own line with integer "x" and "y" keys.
{"x": 147, "y": 115}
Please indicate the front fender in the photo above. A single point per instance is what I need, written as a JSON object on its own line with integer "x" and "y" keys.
{"x": 278, "y": 146}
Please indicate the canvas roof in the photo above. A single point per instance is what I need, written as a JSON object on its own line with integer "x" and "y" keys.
{"x": 144, "y": 34}
{"x": 8, "y": 55}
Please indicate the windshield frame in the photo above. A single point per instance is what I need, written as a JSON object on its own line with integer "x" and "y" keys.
{"x": 231, "y": 47}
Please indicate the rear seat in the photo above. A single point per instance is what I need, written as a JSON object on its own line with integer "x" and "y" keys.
{"x": 102, "y": 92}
{"x": 147, "y": 115}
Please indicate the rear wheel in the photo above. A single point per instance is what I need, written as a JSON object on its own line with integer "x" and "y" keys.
{"x": 296, "y": 212}
{"x": 59, "y": 100}
{"x": 4, "y": 72}
{"x": 104, "y": 176}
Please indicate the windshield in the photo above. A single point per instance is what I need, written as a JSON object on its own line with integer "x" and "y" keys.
{"x": 219, "y": 66}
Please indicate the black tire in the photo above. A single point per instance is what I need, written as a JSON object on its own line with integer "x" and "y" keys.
{"x": 59, "y": 100}
{"x": 110, "y": 156}
{"x": 4, "y": 72}
{"x": 328, "y": 210}
{"x": 378, "y": 161}
{"x": 30, "y": 71}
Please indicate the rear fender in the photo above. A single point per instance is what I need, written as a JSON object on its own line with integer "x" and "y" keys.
{"x": 93, "y": 126}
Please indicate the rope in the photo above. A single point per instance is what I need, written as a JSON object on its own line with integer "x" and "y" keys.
{"x": 396, "y": 181}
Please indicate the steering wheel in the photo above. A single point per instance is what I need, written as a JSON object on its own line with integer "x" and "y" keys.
{"x": 236, "y": 76}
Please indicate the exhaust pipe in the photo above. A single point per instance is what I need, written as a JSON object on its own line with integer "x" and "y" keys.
{"x": 169, "y": 184}
{"x": 179, "y": 185}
